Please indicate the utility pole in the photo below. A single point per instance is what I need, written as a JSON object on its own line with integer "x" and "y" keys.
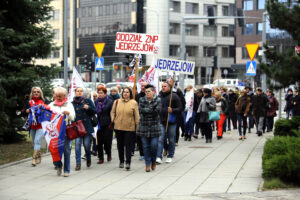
{"x": 65, "y": 46}
{"x": 182, "y": 52}
{"x": 264, "y": 40}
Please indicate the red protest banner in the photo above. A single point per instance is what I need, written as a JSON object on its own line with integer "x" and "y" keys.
{"x": 136, "y": 43}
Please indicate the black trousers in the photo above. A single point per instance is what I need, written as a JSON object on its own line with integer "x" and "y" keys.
{"x": 233, "y": 118}
{"x": 206, "y": 129}
{"x": 180, "y": 124}
{"x": 104, "y": 138}
{"x": 140, "y": 145}
{"x": 270, "y": 123}
{"x": 125, "y": 140}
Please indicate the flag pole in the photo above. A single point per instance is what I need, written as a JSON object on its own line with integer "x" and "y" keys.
{"x": 170, "y": 103}
{"x": 135, "y": 77}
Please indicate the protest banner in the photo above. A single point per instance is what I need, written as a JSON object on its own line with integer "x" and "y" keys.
{"x": 189, "y": 99}
{"x": 75, "y": 83}
{"x": 179, "y": 66}
{"x": 136, "y": 43}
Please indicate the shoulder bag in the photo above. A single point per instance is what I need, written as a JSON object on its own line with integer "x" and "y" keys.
{"x": 75, "y": 130}
{"x": 214, "y": 115}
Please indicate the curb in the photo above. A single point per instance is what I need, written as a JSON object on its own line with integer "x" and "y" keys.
{"x": 20, "y": 161}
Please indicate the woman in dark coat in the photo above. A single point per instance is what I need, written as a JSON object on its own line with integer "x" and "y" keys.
{"x": 84, "y": 109}
{"x": 232, "y": 115}
{"x": 296, "y": 103}
{"x": 149, "y": 126}
{"x": 271, "y": 110}
{"x": 105, "y": 133}
{"x": 289, "y": 106}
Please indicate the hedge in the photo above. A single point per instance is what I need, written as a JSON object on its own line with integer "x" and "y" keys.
{"x": 288, "y": 127}
{"x": 281, "y": 159}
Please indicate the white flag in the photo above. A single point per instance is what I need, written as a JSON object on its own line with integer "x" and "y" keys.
{"x": 75, "y": 83}
{"x": 151, "y": 77}
{"x": 189, "y": 98}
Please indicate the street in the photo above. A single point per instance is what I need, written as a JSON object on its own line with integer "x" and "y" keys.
{"x": 224, "y": 167}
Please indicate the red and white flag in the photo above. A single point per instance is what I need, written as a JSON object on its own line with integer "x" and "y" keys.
{"x": 75, "y": 83}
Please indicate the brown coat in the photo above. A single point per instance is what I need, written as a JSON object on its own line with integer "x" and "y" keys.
{"x": 126, "y": 117}
{"x": 242, "y": 102}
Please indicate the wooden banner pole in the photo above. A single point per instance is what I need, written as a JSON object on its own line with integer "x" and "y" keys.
{"x": 135, "y": 77}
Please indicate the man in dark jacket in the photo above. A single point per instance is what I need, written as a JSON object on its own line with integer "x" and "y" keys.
{"x": 250, "y": 116}
{"x": 289, "y": 106}
{"x": 296, "y": 103}
{"x": 232, "y": 115}
{"x": 197, "y": 101}
{"x": 172, "y": 111}
{"x": 271, "y": 110}
{"x": 179, "y": 117}
{"x": 259, "y": 106}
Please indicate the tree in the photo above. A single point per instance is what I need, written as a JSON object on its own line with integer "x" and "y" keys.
{"x": 24, "y": 35}
{"x": 283, "y": 67}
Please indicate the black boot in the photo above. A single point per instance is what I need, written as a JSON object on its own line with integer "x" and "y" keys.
{"x": 190, "y": 138}
{"x": 185, "y": 138}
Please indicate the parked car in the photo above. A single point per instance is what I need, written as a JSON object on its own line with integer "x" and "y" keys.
{"x": 114, "y": 84}
{"x": 58, "y": 82}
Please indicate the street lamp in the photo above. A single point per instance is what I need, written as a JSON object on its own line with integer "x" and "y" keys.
{"x": 157, "y": 16}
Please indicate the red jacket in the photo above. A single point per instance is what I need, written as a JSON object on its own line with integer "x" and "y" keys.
{"x": 273, "y": 107}
{"x": 34, "y": 102}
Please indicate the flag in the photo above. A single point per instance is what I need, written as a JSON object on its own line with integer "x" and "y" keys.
{"x": 75, "y": 83}
{"x": 189, "y": 99}
{"x": 54, "y": 128}
{"x": 151, "y": 76}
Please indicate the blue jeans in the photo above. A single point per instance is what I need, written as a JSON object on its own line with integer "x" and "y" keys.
{"x": 189, "y": 126}
{"x": 150, "y": 145}
{"x": 242, "y": 121}
{"x": 37, "y": 136}
{"x": 171, "y": 137}
{"x": 87, "y": 147}
{"x": 289, "y": 113}
{"x": 67, "y": 153}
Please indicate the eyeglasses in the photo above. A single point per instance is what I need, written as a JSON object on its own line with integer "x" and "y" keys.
{"x": 36, "y": 92}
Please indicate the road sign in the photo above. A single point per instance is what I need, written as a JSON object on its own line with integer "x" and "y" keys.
{"x": 99, "y": 48}
{"x": 99, "y": 63}
{"x": 251, "y": 68}
{"x": 137, "y": 43}
{"x": 252, "y": 48}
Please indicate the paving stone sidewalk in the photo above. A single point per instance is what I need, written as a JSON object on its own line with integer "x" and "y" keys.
{"x": 224, "y": 169}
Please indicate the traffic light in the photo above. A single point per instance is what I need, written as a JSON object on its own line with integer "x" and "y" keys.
{"x": 89, "y": 66}
{"x": 240, "y": 13}
{"x": 93, "y": 66}
{"x": 117, "y": 66}
{"x": 215, "y": 61}
{"x": 211, "y": 13}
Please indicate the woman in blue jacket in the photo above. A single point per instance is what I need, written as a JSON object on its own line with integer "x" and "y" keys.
{"x": 84, "y": 109}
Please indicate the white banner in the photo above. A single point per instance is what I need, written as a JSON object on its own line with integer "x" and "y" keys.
{"x": 75, "y": 83}
{"x": 137, "y": 43}
{"x": 189, "y": 99}
{"x": 151, "y": 77}
{"x": 179, "y": 66}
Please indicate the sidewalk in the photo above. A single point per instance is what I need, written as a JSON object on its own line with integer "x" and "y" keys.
{"x": 225, "y": 167}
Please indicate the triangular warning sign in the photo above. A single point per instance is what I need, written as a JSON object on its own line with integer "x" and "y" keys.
{"x": 98, "y": 64}
{"x": 99, "y": 48}
{"x": 252, "y": 48}
{"x": 251, "y": 69}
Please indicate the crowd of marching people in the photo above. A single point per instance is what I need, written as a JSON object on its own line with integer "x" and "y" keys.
{"x": 152, "y": 123}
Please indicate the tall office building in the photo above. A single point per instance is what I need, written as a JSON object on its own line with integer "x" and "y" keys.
{"x": 202, "y": 40}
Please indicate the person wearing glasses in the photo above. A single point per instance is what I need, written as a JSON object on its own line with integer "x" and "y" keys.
{"x": 36, "y": 98}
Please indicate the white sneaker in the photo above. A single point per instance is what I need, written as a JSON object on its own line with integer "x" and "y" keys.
{"x": 158, "y": 161}
{"x": 169, "y": 160}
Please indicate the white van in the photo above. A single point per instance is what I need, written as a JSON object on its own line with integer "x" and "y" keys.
{"x": 229, "y": 83}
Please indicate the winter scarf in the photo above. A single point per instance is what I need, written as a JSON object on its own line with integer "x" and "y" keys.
{"x": 101, "y": 103}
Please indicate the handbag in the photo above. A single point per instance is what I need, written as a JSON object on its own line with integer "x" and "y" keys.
{"x": 172, "y": 118}
{"x": 112, "y": 124}
{"x": 214, "y": 115}
{"x": 75, "y": 130}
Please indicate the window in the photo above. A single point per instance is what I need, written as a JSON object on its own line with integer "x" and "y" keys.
{"x": 210, "y": 31}
{"x": 94, "y": 11}
{"x": 225, "y": 10}
{"x": 55, "y": 15}
{"x": 231, "y": 30}
{"x": 191, "y": 51}
{"x": 175, "y": 5}
{"x": 245, "y": 53}
{"x": 55, "y": 54}
{"x": 100, "y": 10}
{"x": 89, "y": 11}
{"x": 174, "y": 28}
{"x": 225, "y": 31}
{"x": 191, "y": 8}
{"x": 56, "y": 34}
{"x": 115, "y": 9}
{"x": 206, "y": 8}
{"x": 209, "y": 51}
{"x": 225, "y": 52}
{"x": 126, "y": 8}
{"x": 191, "y": 29}
{"x": 248, "y": 5}
{"x": 259, "y": 28}
{"x": 174, "y": 50}
{"x": 261, "y": 4}
{"x": 248, "y": 29}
